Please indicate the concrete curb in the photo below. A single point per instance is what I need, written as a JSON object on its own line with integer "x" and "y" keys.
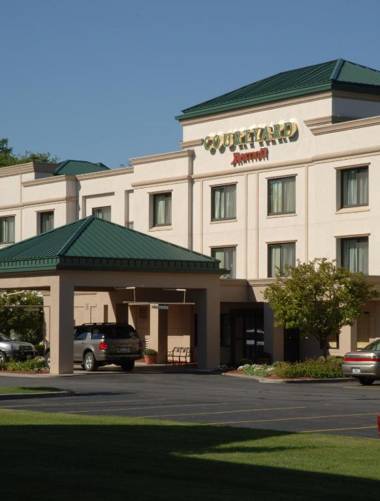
{"x": 21, "y": 374}
{"x": 44, "y": 394}
{"x": 266, "y": 380}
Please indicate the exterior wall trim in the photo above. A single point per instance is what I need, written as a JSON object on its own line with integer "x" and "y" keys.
{"x": 191, "y": 144}
{"x": 162, "y": 156}
{"x": 105, "y": 173}
{"x": 99, "y": 195}
{"x": 48, "y": 180}
{"x": 260, "y": 282}
{"x": 320, "y": 129}
{"x": 155, "y": 182}
{"x": 47, "y": 201}
{"x": 17, "y": 169}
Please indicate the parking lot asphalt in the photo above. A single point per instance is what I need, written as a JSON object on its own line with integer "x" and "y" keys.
{"x": 344, "y": 408}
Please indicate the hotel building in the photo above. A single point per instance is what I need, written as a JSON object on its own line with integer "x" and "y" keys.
{"x": 284, "y": 169}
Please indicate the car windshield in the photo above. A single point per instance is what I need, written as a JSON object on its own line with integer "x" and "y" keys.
{"x": 3, "y": 338}
{"x": 374, "y": 346}
{"x": 118, "y": 331}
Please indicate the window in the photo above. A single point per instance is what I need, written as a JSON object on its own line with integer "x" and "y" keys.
{"x": 354, "y": 187}
{"x": 282, "y": 196}
{"x": 226, "y": 256}
{"x": 333, "y": 341}
{"x": 45, "y": 221}
{"x": 223, "y": 202}
{"x": 280, "y": 257}
{"x": 7, "y": 230}
{"x": 374, "y": 346}
{"x": 162, "y": 209}
{"x": 96, "y": 335}
{"x": 102, "y": 212}
{"x": 80, "y": 335}
{"x": 354, "y": 254}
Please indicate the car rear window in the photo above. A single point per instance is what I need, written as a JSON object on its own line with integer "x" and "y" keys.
{"x": 114, "y": 332}
{"x": 374, "y": 346}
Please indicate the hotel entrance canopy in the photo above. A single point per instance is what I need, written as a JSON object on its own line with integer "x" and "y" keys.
{"x": 96, "y": 244}
{"x": 93, "y": 254}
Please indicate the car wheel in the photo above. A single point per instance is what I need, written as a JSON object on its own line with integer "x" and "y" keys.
{"x": 366, "y": 381}
{"x": 128, "y": 365}
{"x": 89, "y": 361}
{"x": 3, "y": 358}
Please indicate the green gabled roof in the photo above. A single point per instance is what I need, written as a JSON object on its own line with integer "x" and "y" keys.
{"x": 95, "y": 244}
{"x": 76, "y": 167}
{"x": 336, "y": 74}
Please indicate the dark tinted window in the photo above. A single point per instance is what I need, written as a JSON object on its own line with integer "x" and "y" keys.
{"x": 80, "y": 335}
{"x": 3, "y": 338}
{"x": 118, "y": 331}
{"x": 97, "y": 334}
{"x": 374, "y": 346}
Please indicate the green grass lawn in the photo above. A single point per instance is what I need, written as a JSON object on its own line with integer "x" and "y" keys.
{"x": 11, "y": 390}
{"x": 57, "y": 457}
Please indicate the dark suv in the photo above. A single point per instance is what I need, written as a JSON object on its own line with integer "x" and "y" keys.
{"x": 108, "y": 343}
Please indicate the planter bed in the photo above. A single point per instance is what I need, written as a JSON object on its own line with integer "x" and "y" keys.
{"x": 277, "y": 379}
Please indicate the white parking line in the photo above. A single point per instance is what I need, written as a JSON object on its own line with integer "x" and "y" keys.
{"x": 238, "y": 411}
{"x": 296, "y": 418}
{"x": 360, "y": 387}
{"x": 109, "y": 402}
{"x": 323, "y": 430}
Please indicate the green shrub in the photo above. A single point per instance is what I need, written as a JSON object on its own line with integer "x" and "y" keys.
{"x": 33, "y": 365}
{"x": 260, "y": 370}
{"x": 313, "y": 368}
{"x": 149, "y": 352}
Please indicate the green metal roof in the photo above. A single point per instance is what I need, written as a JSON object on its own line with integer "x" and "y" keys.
{"x": 96, "y": 244}
{"x": 75, "y": 167}
{"x": 336, "y": 74}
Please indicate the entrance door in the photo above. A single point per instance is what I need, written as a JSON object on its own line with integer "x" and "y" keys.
{"x": 247, "y": 334}
{"x": 291, "y": 345}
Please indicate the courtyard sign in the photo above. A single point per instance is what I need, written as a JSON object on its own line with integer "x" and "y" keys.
{"x": 280, "y": 132}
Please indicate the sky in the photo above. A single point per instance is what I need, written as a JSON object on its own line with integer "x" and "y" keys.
{"x": 102, "y": 80}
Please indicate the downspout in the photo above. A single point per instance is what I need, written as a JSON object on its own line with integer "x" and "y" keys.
{"x": 190, "y": 204}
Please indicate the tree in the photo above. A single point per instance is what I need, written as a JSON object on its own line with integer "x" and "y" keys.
{"x": 7, "y": 157}
{"x": 318, "y": 298}
{"x": 21, "y": 314}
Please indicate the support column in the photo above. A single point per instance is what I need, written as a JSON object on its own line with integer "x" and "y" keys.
{"x": 158, "y": 332}
{"x": 208, "y": 311}
{"x": 61, "y": 326}
{"x": 273, "y": 336}
{"x": 347, "y": 338}
{"x": 153, "y": 327}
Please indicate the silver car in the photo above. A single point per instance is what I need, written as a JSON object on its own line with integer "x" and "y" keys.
{"x": 363, "y": 364}
{"x": 106, "y": 343}
{"x": 16, "y": 350}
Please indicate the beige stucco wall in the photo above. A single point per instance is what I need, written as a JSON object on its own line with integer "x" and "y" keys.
{"x": 100, "y": 189}
{"x": 189, "y": 174}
